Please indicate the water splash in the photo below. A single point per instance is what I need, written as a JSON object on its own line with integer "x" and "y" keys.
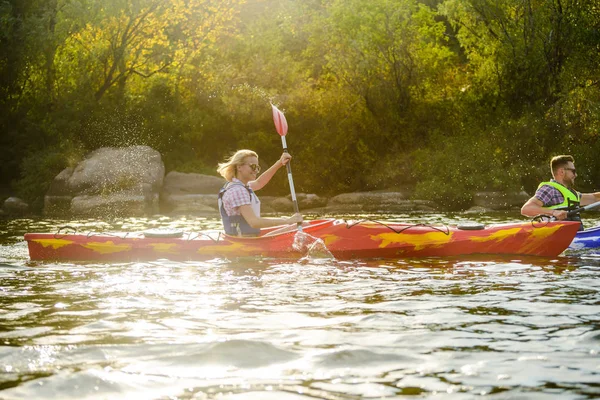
{"x": 310, "y": 246}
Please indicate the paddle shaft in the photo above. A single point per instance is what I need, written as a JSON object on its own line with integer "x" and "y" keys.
{"x": 584, "y": 208}
{"x": 291, "y": 181}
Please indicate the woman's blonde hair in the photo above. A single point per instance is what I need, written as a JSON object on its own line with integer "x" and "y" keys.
{"x": 228, "y": 168}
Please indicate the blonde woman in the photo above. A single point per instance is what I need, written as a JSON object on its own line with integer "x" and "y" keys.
{"x": 238, "y": 204}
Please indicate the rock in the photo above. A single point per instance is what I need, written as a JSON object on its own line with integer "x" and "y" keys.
{"x": 282, "y": 204}
{"x": 60, "y": 184}
{"x": 383, "y": 202}
{"x": 308, "y": 201}
{"x": 367, "y": 198}
{"x": 111, "y": 170}
{"x": 401, "y": 206}
{"x": 114, "y": 204}
{"x": 189, "y": 193}
{"x": 189, "y": 204}
{"x": 113, "y": 181}
{"x": 15, "y": 206}
{"x": 266, "y": 204}
{"x": 180, "y": 183}
{"x": 500, "y": 200}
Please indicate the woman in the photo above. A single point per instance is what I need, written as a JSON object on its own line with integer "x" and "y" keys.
{"x": 238, "y": 204}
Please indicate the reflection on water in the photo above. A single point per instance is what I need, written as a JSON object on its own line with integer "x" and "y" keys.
{"x": 452, "y": 328}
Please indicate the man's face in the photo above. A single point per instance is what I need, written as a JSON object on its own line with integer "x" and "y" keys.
{"x": 569, "y": 174}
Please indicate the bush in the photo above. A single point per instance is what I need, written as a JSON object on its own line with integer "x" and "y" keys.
{"x": 588, "y": 165}
{"x": 39, "y": 169}
{"x": 451, "y": 172}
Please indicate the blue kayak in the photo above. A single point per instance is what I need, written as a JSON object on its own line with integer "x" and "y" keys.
{"x": 586, "y": 239}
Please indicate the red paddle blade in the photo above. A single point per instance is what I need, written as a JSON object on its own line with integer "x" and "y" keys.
{"x": 280, "y": 122}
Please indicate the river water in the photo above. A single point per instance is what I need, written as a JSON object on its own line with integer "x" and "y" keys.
{"x": 314, "y": 328}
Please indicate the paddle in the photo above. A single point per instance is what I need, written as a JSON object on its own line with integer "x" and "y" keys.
{"x": 584, "y": 208}
{"x": 282, "y": 127}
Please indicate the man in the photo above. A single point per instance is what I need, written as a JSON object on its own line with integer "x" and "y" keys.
{"x": 555, "y": 196}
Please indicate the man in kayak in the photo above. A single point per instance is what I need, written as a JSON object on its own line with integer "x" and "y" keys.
{"x": 238, "y": 204}
{"x": 557, "y": 195}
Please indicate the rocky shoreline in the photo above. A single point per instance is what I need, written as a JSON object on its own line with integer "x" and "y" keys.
{"x": 131, "y": 181}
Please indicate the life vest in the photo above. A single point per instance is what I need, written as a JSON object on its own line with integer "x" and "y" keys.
{"x": 236, "y": 225}
{"x": 571, "y": 199}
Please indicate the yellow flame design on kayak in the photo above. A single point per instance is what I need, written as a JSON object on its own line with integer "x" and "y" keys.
{"x": 54, "y": 243}
{"x": 537, "y": 237}
{"x": 329, "y": 239}
{"x": 168, "y": 248}
{"x": 107, "y": 247}
{"x": 497, "y": 236}
{"x": 418, "y": 240}
{"x": 545, "y": 231}
{"x": 233, "y": 248}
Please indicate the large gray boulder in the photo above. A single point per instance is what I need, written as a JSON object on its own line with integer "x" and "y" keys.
{"x": 367, "y": 198}
{"x": 377, "y": 202}
{"x": 195, "y": 204}
{"x": 112, "y": 170}
{"x": 109, "y": 181}
{"x": 190, "y": 193}
{"x": 282, "y": 204}
{"x": 266, "y": 205}
{"x": 190, "y": 183}
{"x": 307, "y": 201}
{"x": 15, "y": 206}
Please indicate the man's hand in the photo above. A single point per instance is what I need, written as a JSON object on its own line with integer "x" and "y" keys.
{"x": 559, "y": 214}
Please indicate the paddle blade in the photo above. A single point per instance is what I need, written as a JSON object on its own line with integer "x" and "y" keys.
{"x": 280, "y": 122}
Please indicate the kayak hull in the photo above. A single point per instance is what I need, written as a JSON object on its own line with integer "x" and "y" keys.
{"x": 587, "y": 239}
{"x": 343, "y": 239}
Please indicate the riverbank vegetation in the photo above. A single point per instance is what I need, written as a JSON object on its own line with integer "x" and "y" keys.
{"x": 449, "y": 97}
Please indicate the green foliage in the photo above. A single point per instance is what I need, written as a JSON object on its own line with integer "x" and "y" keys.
{"x": 519, "y": 50}
{"x": 453, "y": 96}
{"x": 39, "y": 170}
{"x": 393, "y": 55}
{"x": 588, "y": 165}
{"x": 451, "y": 172}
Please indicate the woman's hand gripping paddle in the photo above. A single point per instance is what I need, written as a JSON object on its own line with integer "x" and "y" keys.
{"x": 282, "y": 127}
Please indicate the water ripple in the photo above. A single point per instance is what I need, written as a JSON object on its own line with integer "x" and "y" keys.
{"x": 452, "y": 328}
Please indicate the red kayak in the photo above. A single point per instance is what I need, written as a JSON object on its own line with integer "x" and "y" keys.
{"x": 343, "y": 239}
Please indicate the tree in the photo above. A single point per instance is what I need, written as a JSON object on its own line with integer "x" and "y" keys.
{"x": 518, "y": 49}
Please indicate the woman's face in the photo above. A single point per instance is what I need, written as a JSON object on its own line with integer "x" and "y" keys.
{"x": 249, "y": 170}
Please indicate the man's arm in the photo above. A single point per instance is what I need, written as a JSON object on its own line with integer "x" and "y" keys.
{"x": 534, "y": 206}
{"x": 589, "y": 198}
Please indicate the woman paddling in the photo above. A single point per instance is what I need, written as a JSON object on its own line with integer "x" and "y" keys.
{"x": 238, "y": 204}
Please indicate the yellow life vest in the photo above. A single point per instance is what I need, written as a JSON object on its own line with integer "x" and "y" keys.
{"x": 567, "y": 194}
